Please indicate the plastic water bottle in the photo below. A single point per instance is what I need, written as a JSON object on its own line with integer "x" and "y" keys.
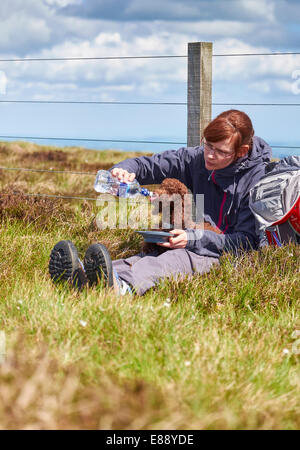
{"x": 105, "y": 183}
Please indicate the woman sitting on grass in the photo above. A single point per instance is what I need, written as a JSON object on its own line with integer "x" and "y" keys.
{"x": 224, "y": 168}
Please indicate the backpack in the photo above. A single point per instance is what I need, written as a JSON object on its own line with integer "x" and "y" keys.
{"x": 275, "y": 203}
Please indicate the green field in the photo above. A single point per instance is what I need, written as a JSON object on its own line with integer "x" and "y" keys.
{"x": 220, "y": 351}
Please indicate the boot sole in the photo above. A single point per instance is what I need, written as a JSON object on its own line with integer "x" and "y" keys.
{"x": 64, "y": 264}
{"x": 98, "y": 264}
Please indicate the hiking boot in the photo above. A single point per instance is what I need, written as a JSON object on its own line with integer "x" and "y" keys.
{"x": 98, "y": 265}
{"x": 65, "y": 265}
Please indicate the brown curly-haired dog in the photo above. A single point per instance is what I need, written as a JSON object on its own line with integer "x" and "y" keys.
{"x": 169, "y": 189}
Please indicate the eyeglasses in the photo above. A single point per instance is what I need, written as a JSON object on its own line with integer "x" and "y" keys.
{"x": 216, "y": 151}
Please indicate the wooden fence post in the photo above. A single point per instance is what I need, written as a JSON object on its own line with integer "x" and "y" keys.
{"x": 199, "y": 90}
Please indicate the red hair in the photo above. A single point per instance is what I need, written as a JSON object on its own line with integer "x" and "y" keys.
{"x": 232, "y": 124}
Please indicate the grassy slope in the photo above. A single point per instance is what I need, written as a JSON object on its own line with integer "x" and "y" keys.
{"x": 217, "y": 351}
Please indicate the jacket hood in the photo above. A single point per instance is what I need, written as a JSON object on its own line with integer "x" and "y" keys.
{"x": 261, "y": 152}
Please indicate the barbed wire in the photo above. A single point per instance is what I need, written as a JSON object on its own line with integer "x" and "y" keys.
{"x": 97, "y": 58}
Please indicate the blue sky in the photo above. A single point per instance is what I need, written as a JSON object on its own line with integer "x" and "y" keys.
{"x": 95, "y": 28}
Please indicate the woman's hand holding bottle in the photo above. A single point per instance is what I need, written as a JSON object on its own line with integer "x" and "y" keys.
{"x": 122, "y": 175}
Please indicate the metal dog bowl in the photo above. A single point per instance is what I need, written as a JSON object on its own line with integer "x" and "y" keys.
{"x": 155, "y": 237}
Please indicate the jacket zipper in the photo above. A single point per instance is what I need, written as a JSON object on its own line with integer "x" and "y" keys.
{"x": 222, "y": 205}
{"x": 221, "y": 210}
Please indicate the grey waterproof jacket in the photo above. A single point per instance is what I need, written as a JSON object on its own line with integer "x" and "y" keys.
{"x": 226, "y": 192}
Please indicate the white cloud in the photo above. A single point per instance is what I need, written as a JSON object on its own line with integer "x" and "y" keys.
{"x": 30, "y": 26}
{"x": 251, "y": 67}
{"x": 167, "y": 8}
{"x": 3, "y": 82}
{"x": 145, "y": 77}
{"x": 108, "y": 39}
{"x": 61, "y": 3}
{"x": 263, "y": 87}
{"x": 20, "y": 30}
{"x": 174, "y": 10}
{"x": 213, "y": 28}
{"x": 263, "y": 8}
{"x": 48, "y": 35}
{"x": 285, "y": 85}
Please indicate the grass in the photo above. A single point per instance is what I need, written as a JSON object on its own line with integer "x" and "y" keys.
{"x": 218, "y": 351}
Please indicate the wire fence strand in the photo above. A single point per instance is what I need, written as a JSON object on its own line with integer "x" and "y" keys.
{"x": 47, "y": 170}
{"x": 95, "y": 58}
{"x": 91, "y": 140}
{"x": 121, "y": 141}
{"x": 64, "y": 197}
{"x": 99, "y": 58}
{"x": 258, "y": 54}
{"x": 83, "y": 102}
